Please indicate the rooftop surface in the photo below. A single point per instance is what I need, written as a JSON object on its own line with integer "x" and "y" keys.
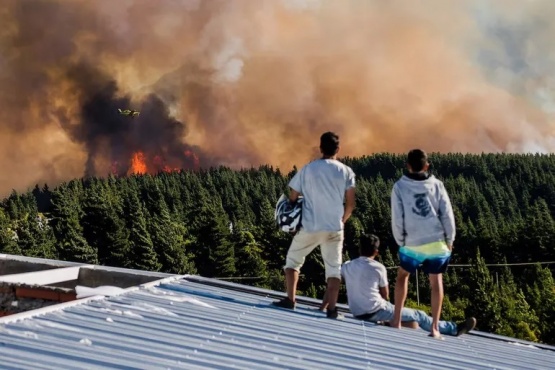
{"x": 197, "y": 323}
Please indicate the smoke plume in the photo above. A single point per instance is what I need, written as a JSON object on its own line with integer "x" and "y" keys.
{"x": 242, "y": 83}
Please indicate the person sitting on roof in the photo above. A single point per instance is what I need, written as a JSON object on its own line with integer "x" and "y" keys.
{"x": 368, "y": 293}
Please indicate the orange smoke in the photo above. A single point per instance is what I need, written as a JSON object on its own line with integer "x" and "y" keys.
{"x": 257, "y": 82}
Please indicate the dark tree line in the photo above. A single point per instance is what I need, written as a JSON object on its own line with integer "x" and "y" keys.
{"x": 219, "y": 223}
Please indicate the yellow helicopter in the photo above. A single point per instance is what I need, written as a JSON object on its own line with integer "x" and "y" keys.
{"x": 129, "y": 112}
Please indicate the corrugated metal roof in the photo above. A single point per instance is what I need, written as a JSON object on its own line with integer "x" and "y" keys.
{"x": 196, "y": 324}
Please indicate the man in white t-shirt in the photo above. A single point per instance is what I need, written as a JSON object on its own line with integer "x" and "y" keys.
{"x": 368, "y": 293}
{"x": 328, "y": 190}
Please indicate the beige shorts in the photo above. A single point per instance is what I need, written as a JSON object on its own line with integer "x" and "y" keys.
{"x": 331, "y": 246}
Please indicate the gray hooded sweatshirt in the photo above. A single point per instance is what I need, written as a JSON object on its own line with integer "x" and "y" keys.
{"x": 421, "y": 211}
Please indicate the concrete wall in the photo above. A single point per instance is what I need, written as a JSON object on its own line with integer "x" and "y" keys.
{"x": 8, "y": 267}
{"x": 93, "y": 278}
{"x": 44, "y": 277}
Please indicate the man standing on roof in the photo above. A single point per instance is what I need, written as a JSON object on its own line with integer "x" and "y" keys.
{"x": 368, "y": 293}
{"x": 325, "y": 184}
{"x": 423, "y": 225}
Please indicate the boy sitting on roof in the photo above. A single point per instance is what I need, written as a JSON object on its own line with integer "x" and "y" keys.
{"x": 368, "y": 293}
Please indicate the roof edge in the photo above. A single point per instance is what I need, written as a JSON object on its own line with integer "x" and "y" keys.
{"x": 60, "y": 306}
{"x": 342, "y": 307}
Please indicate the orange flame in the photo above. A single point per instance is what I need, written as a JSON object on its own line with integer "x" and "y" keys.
{"x": 141, "y": 163}
{"x": 161, "y": 165}
{"x": 138, "y": 164}
{"x": 169, "y": 169}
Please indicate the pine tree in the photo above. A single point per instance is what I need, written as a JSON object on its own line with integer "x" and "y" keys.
{"x": 248, "y": 256}
{"x": 72, "y": 245}
{"x": 483, "y": 296}
{"x": 169, "y": 237}
{"x": 273, "y": 242}
{"x": 36, "y": 237}
{"x": 104, "y": 229}
{"x": 8, "y": 236}
{"x": 212, "y": 248}
{"x": 519, "y": 320}
{"x": 538, "y": 239}
{"x": 142, "y": 254}
{"x": 541, "y": 295}
{"x": 353, "y": 231}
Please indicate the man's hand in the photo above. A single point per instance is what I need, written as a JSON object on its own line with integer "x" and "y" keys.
{"x": 450, "y": 247}
{"x": 293, "y": 195}
{"x": 349, "y": 204}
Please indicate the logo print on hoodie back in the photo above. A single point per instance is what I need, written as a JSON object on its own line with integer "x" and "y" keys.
{"x": 422, "y": 206}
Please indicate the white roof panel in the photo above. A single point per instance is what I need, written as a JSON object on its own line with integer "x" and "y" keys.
{"x": 198, "y": 323}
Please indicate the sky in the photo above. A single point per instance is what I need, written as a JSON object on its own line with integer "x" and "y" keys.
{"x": 244, "y": 83}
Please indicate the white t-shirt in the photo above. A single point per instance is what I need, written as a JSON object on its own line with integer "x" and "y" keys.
{"x": 323, "y": 184}
{"x": 364, "y": 277}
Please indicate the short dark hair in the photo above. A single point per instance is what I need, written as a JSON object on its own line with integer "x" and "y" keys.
{"x": 417, "y": 159}
{"x": 329, "y": 143}
{"x": 368, "y": 244}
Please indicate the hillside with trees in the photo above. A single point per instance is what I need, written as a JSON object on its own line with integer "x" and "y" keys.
{"x": 219, "y": 223}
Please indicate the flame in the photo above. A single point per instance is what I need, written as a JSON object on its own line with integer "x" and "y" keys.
{"x": 169, "y": 169}
{"x": 142, "y": 163}
{"x": 161, "y": 165}
{"x": 138, "y": 164}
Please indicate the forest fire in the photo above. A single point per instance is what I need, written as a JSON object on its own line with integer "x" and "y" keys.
{"x": 243, "y": 89}
{"x": 138, "y": 164}
{"x": 141, "y": 164}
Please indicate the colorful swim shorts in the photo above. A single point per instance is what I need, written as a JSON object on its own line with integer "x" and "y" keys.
{"x": 432, "y": 258}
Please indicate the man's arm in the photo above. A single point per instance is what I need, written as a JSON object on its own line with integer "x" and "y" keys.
{"x": 384, "y": 292}
{"x": 350, "y": 202}
{"x": 295, "y": 187}
{"x": 350, "y": 199}
{"x": 397, "y": 217}
{"x": 384, "y": 284}
{"x": 447, "y": 217}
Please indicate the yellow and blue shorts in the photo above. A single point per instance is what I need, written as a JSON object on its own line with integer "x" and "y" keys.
{"x": 432, "y": 258}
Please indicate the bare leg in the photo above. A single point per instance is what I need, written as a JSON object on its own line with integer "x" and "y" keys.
{"x": 436, "y": 281}
{"x": 325, "y": 302}
{"x": 332, "y": 292}
{"x": 291, "y": 280}
{"x": 401, "y": 288}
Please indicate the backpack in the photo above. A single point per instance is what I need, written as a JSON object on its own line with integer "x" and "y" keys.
{"x": 288, "y": 216}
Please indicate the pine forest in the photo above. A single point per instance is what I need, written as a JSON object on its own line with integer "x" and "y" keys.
{"x": 219, "y": 222}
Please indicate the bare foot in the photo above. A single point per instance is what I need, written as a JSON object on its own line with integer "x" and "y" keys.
{"x": 435, "y": 334}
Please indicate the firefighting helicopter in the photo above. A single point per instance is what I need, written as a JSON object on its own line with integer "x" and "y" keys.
{"x": 129, "y": 112}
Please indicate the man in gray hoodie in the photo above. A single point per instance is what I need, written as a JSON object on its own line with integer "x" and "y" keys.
{"x": 424, "y": 228}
